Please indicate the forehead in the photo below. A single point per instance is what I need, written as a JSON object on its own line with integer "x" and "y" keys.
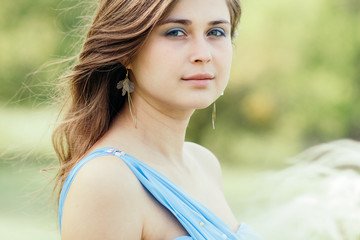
{"x": 200, "y": 9}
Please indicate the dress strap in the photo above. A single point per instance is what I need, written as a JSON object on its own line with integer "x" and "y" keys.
{"x": 72, "y": 174}
{"x": 199, "y": 222}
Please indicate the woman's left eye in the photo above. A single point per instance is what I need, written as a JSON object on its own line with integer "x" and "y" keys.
{"x": 217, "y": 32}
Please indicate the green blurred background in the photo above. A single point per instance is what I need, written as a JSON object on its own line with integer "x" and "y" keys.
{"x": 295, "y": 82}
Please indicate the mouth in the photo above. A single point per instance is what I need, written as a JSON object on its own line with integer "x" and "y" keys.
{"x": 199, "y": 77}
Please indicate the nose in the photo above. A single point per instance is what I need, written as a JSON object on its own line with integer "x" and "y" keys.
{"x": 200, "y": 51}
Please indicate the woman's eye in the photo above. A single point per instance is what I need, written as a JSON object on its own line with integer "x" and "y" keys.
{"x": 175, "y": 33}
{"x": 217, "y": 32}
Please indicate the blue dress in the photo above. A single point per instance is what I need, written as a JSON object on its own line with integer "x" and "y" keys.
{"x": 197, "y": 220}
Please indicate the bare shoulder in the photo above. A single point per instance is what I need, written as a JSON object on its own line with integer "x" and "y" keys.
{"x": 206, "y": 159}
{"x": 105, "y": 197}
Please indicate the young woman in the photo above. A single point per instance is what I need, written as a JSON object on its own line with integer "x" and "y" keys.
{"x": 126, "y": 172}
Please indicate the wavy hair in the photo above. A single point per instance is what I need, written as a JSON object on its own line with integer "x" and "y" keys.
{"x": 119, "y": 29}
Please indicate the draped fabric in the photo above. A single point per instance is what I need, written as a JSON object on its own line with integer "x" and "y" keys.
{"x": 198, "y": 221}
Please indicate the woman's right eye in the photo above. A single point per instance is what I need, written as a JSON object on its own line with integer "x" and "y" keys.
{"x": 176, "y": 32}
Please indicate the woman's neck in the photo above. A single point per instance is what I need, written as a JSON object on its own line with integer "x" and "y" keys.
{"x": 159, "y": 130}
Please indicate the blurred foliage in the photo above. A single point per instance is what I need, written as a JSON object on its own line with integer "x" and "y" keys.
{"x": 295, "y": 80}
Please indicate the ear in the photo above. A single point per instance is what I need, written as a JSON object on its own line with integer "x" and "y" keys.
{"x": 129, "y": 66}
{"x": 126, "y": 64}
{"x": 122, "y": 63}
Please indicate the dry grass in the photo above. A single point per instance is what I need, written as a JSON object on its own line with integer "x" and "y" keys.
{"x": 317, "y": 198}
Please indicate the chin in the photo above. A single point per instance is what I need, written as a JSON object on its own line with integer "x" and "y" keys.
{"x": 203, "y": 106}
{"x": 196, "y": 104}
{"x": 198, "y": 101}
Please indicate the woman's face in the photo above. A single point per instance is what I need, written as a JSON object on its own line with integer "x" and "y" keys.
{"x": 185, "y": 63}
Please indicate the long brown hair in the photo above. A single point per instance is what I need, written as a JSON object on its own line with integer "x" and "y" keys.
{"x": 119, "y": 29}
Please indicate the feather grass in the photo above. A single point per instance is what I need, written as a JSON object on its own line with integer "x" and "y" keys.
{"x": 317, "y": 197}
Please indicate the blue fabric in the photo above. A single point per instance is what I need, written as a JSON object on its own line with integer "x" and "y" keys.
{"x": 199, "y": 222}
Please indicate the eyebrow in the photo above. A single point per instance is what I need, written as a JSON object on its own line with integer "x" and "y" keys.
{"x": 189, "y": 22}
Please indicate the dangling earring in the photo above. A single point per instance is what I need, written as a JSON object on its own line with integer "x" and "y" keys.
{"x": 213, "y": 116}
{"x": 127, "y": 86}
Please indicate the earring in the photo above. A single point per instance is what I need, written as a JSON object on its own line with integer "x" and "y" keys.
{"x": 128, "y": 87}
{"x": 213, "y": 116}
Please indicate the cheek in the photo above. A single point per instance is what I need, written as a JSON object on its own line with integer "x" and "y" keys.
{"x": 224, "y": 59}
{"x": 228, "y": 52}
{"x": 158, "y": 59}
{"x": 154, "y": 68}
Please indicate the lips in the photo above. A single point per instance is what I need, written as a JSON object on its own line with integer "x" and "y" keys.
{"x": 199, "y": 77}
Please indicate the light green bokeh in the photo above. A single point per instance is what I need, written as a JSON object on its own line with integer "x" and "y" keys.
{"x": 294, "y": 83}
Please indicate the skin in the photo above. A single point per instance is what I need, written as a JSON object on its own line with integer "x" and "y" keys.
{"x": 106, "y": 201}
{"x": 175, "y": 51}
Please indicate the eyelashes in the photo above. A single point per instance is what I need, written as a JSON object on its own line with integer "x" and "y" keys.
{"x": 180, "y": 32}
{"x": 175, "y": 32}
{"x": 217, "y": 32}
